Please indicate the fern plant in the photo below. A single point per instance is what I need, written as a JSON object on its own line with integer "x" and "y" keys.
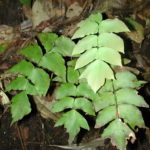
{"x": 116, "y": 98}
{"x": 32, "y": 78}
{"x": 87, "y": 77}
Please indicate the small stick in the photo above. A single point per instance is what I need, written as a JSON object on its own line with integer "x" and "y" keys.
{"x": 20, "y": 137}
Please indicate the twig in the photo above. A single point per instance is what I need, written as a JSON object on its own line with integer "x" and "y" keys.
{"x": 21, "y": 139}
{"x": 92, "y": 144}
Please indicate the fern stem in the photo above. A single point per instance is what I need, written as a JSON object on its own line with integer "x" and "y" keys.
{"x": 97, "y": 36}
{"x": 116, "y": 104}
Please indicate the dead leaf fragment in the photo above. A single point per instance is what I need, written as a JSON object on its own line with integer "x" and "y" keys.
{"x": 74, "y": 10}
{"x": 40, "y": 11}
{"x": 44, "y": 107}
{"x": 4, "y": 100}
{"x": 6, "y": 34}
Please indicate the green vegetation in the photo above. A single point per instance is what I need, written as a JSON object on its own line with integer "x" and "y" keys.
{"x": 87, "y": 80}
{"x": 25, "y": 1}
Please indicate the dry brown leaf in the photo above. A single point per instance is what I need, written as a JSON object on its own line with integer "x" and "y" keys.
{"x": 74, "y": 10}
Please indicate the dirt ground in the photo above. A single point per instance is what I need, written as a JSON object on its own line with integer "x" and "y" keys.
{"x": 32, "y": 133}
{"x": 36, "y": 133}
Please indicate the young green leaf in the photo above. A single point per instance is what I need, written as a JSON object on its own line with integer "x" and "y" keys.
{"x": 109, "y": 55}
{"x": 72, "y": 75}
{"x": 20, "y": 106}
{"x": 47, "y": 40}
{"x": 85, "y": 105}
{"x": 66, "y": 89}
{"x": 105, "y": 40}
{"x": 84, "y": 90}
{"x": 96, "y": 73}
{"x": 105, "y": 99}
{"x": 54, "y": 62}
{"x": 57, "y": 79}
{"x": 72, "y": 121}
{"x": 62, "y": 104}
{"x": 105, "y": 116}
{"x": 112, "y": 25}
{"x": 83, "y": 23}
{"x": 126, "y": 79}
{"x": 130, "y": 96}
{"x": 21, "y": 83}
{"x": 118, "y": 132}
{"x": 41, "y": 80}
{"x": 64, "y": 46}
{"x": 85, "y": 44}
{"x": 107, "y": 87}
{"x": 86, "y": 58}
{"x": 23, "y": 67}
{"x": 95, "y": 18}
{"x": 126, "y": 112}
{"x": 18, "y": 84}
{"x": 38, "y": 76}
{"x": 90, "y": 28}
{"x": 71, "y": 63}
{"x": 33, "y": 52}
